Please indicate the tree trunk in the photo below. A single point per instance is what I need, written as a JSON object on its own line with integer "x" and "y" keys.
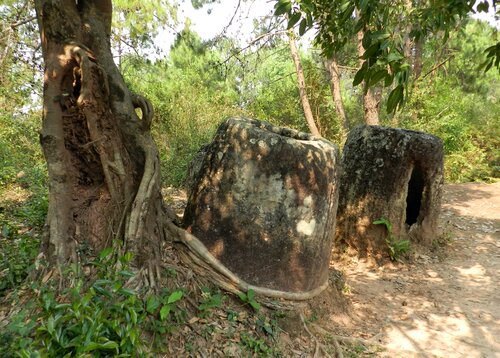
{"x": 371, "y": 99}
{"x": 302, "y": 85}
{"x": 408, "y": 43}
{"x": 333, "y": 70}
{"x": 413, "y": 49}
{"x": 417, "y": 58}
{"x": 103, "y": 166}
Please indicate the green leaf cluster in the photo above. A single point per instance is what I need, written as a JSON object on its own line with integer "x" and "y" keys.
{"x": 97, "y": 319}
{"x": 396, "y": 247}
{"x": 17, "y": 254}
{"x": 249, "y": 298}
{"x": 136, "y": 23}
{"x": 209, "y": 300}
{"x": 387, "y": 27}
{"x": 102, "y": 317}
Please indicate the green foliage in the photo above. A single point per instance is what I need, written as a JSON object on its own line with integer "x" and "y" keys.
{"x": 163, "y": 305}
{"x": 384, "y": 41}
{"x": 396, "y": 247}
{"x": 269, "y": 90}
{"x": 492, "y": 57}
{"x": 97, "y": 318}
{"x": 191, "y": 96}
{"x": 19, "y": 148}
{"x": 200, "y": 84}
{"x": 23, "y": 195}
{"x": 249, "y": 298}
{"x": 209, "y": 301}
{"x": 15, "y": 337}
{"x": 256, "y": 345}
{"x": 468, "y": 123}
{"x": 17, "y": 254}
{"x": 137, "y": 22}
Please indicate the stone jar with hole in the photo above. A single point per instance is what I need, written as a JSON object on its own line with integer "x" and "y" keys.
{"x": 393, "y": 174}
{"x": 264, "y": 204}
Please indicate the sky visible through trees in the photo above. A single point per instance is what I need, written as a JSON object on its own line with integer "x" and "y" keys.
{"x": 230, "y": 17}
{"x": 212, "y": 20}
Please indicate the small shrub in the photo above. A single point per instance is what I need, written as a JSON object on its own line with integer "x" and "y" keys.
{"x": 396, "y": 247}
{"x": 97, "y": 319}
{"x": 17, "y": 254}
{"x": 209, "y": 301}
{"x": 249, "y": 298}
{"x": 255, "y": 345}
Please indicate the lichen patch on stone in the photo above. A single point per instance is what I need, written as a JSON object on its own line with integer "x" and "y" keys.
{"x": 306, "y": 227}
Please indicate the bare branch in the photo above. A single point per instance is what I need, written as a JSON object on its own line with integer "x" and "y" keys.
{"x": 232, "y": 18}
{"x": 250, "y": 44}
{"x": 437, "y": 66}
{"x": 22, "y": 22}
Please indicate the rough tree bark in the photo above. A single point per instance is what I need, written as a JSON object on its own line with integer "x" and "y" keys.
{"x": 371, "y": 99}
{"x": 302, "y": 85}
{"x": 413, "y": 48}
{"x": 333, "y": 70}
{"x": 417, "y": 58}
{"x": 103, "y": 166}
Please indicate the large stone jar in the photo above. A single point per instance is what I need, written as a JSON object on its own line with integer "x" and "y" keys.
{"x": 264, "y": 203}
{"x": 394, "y": 174}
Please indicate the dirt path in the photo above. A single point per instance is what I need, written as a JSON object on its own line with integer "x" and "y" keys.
{"x": 446, "y": 303}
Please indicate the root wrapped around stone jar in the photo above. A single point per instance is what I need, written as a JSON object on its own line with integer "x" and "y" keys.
{"x": 264, "y": 203}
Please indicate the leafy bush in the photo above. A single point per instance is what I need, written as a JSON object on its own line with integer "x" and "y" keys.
{"x": 17, "y": 254}
{"x": 396, "y": 247}
{"x": 98, "y": 318}
{"x": 468, "y": 124}
{"x": 191, "y": 97}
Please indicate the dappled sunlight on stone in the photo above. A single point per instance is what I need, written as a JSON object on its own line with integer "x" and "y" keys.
{"x": 272, "y": 204}
{"x": 393, "y": 174}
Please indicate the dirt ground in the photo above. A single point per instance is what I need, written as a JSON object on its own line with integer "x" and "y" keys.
{"x": 442, "y": 302}
{"x": 446, "y": 301}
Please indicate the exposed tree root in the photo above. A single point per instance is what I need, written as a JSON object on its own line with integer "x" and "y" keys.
{"x": 336, "y": 340}
{"x": 226, "y": 279}
{"x": 137, "y": 205}
{"x": 367, "y": 343}
{"x": 319, "y": 346}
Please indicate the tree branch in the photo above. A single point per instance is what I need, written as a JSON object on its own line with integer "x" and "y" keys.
{"x": 437, "y": 66}
{"x": 232, "y": 18}
{"x": 22, "y": 22}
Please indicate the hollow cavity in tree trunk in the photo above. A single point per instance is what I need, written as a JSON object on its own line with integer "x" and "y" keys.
{"x": 264, "y": 204}
{"x": 103, "y": 165}
{"x": 393, "y": 174}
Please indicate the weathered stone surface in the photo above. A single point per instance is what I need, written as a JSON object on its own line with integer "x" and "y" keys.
{"x": 391, "y": 173}
{"x": 264, "y": 204}
{"x": 194, "y": 168}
